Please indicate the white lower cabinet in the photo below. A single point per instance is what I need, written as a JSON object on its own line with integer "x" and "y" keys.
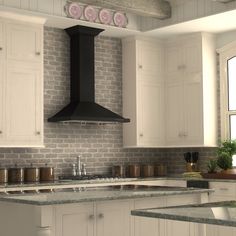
{"x": 100, "y": 219}
{"x": 222, "y": 191}
{"x": 113, "y": 218}
{"x": 215, "y": 230}
{"x": 74, "y": 220}
{"x": 144, "y": 225}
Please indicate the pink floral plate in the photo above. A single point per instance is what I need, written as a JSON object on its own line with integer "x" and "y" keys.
{"x": 105, "y": 16}
{"x": 74, "y": 10}
{"x": 90, "y": 13}
{"x": 120, "y": 19}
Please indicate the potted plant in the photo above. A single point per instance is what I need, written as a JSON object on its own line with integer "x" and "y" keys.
{"x": 225, "y": 155}
{"x": 212, "y": 166}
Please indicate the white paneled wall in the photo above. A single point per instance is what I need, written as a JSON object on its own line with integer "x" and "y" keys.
{"x": 185, "y": 10}
{"x": 52, "y": 7}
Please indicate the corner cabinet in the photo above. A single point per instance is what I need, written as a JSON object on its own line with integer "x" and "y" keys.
{"x": 190, "y": 88}
{"x": 143, "y": 92}
{"x": 21, "y": 90}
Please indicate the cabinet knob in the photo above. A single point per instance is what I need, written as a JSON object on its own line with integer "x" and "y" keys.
{"x": 91, "y": 217}
{"x": 0, "y": 132}
{"x": 38, "y": 53}
{"x": 1, "y": 48}
{"x": 101, "y": 216}
{"x": 141, "y": 135}
{"x": 38, "y": 133}
{"x": 140, "y": 66}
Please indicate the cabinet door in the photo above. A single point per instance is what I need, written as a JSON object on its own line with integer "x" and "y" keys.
{"x": 150, "y": 60}
{"x": 1, "y": 80}
{"x": 24, "y": 105}
{"x": 24, "y": 42}
{"x": 113, "y": 218}
{"x": 74, "y": 220}
{"x": 193, "y": 109}
{"x": 144, "y": 225}
{"x": 150, "y": 113}
{"x": 174, "y": 113}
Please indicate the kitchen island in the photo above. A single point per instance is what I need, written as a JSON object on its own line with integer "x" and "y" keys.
{"x": 94, "y": 211}
{"x": 218, "y": 213}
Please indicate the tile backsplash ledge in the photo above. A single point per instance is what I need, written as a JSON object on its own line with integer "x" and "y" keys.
{"x": 99, "y": 145}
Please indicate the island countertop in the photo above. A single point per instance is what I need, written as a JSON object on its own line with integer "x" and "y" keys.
{"x": 100, "y": 194}
{"x": 218, "y": 213}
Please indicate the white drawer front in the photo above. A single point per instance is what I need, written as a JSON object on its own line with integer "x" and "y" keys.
{"x": 223, "y": 188}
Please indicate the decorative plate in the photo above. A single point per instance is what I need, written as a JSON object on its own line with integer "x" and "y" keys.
{"x": 90, "y": 13}
{"x": 75, "y": 10}
{"x": 105, "y": 16}
{"x": 120, "y": 19}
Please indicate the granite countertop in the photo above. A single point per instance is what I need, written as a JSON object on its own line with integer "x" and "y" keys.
{"x": 99, "y": 194}
{"x": 218, "y": 213}
{"x": 59, "y": 183}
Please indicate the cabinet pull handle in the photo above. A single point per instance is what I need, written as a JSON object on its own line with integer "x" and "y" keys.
{"x": 91, "y": 217}
{"x": 0, "y": 132}
{"x": 101, "y": 216}
{"x": 1, "y": 48}
{"x": 38, "y": 53}
{"x": 140, "y": 66}
{"x": 141, "y": 135}
{"x": 38, "y": 133}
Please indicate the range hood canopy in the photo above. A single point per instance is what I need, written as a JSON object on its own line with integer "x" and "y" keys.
{"x": 82, "y": 106}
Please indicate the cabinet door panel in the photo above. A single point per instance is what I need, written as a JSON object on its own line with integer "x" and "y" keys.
{"x": 142, "y": 225}
{"x": 150, "y": 113}
{"x": 193, "y": 113}
{"x": 173, "y": 228}
{"x": 23, "y": 104}
{"x": 150, "y": 59}
{"x": 113, "y": 218}
{"x": 74, "y": 220}
{"x": 24, "y": 43}
{"x": 174, "y": 113}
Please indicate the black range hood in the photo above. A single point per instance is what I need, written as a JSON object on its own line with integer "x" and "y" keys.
{"x": 82, "y": 106}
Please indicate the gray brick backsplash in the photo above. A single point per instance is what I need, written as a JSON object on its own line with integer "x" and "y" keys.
{"x": 99, "y": 145}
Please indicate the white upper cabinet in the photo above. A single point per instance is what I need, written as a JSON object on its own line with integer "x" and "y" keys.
{"x": 169, "y": 92}
{"x": 21, "y": 90}
{"x": 143, "y": 93}
{"x": 191, "y": 110}
{"x": 1, "y": 80}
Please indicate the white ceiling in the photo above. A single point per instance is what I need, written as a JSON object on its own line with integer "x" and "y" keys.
{"x": 218, "y": 23}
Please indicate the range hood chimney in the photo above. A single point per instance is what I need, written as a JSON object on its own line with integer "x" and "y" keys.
{"x": 82, "y": 106}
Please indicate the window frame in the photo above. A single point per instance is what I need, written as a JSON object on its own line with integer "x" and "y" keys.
{"x": 226, "y": 53}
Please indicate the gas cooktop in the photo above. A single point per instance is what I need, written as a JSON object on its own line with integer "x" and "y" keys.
{"x": 92, "y": 177}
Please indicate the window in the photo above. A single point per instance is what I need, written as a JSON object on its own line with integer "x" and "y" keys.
{"x": 228, "y": 92}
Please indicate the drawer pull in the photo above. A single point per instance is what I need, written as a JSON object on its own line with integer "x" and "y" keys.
{"x": 38, "y": 133}
{"x": 224, "y": 189}
{"x": 1, "y": 48}
{"x": 91, "y": 217}
{"x": 38, "y": 53}
{"x": 0, "y": 132}
{"x": 101, "y": 216}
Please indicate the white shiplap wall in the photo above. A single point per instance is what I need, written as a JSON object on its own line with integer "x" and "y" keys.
{"x": 185, "y": 10}
{"x": 52, "y": 7}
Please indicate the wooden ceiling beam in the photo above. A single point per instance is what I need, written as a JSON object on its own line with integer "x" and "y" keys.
{"x": 160, "y": 9}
